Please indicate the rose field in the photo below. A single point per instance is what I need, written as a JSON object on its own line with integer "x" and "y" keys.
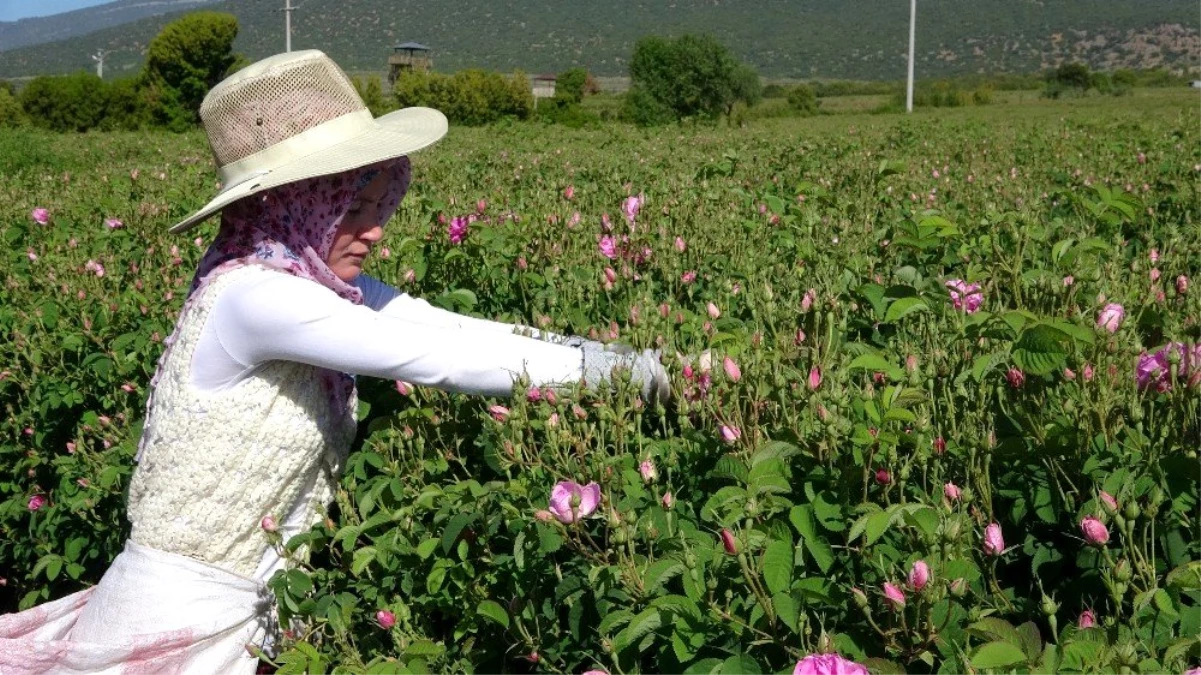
{"x": 937, "y": 394}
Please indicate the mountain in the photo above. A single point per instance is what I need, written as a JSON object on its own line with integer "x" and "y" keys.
{"x": 859, "y": 39}
{"x": 39, "y": 30}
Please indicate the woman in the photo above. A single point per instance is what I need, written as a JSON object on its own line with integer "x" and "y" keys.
{"x": 252, "y": 409}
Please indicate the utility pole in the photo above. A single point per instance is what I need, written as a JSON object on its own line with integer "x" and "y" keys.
{"x": 288, "y": 25}
{"x": 98, "y": 57}
{"x": 912, "y": 32}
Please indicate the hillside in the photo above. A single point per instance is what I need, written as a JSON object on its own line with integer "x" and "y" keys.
{"x": 861, "y": 39}
{"x": 39, "y": 30}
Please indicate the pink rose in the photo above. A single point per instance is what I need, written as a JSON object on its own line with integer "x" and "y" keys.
{"x": 570, "y": 501}
{"x": 569, "y": 192}
{"x": 894, "y": 597}
{"x": 827, "y": 664}
{"x": 403, "y": 388}
{"x": 668, "y": 500}
{"x": 727, "y": 541}
{"x": 919, "y": 575}
{"x": 1182, "y": 284}
{"x": 608, "y": 247}
{"x": 729, "y": 434}
{"x": 36, "y": 502}
{"x": 808, "y": 299}
{"x": 1110, "y": 318}
{"x": 1108, "y": 501}
{"x": 732, "y": 370}
{"x": 1087, "y": 619}
{"x": 268, "y": 524}
{"x": 1016, "y": 378}
{"x": 815, "y": 378}
{"x": 498, "y": 412}
{"x": 951, "y": 492}
{"x": 385, "y": 619}
{"x": 457, "y": 231}
{"x": 648, "y": 471}
{"x": 40, "y": 215}
{"x": 714, "y": 311}
{"x": 113, "y": 223}
{"x": 1094, "y": 531}
{"x": 964, "y": 296}
{"x": 630, "y": 208}
{"x": 994, "y": 543}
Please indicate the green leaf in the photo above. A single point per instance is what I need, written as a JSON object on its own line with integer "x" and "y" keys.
{"x": 1040, "y": 350}
{"x": 802, "y": 519}
{"x": 704, "y": 667}
{"x": 646, "y": 621}
{"x": 362, "y": 558}
{"x": 995, "y": 629}
{"x": 614, "y": 619}
{"x": 660, "y": 573}
{"x": 426, "y": 548}
{"x": 787, "y": 610}
{"x": 299, "y": 583}
{"x": 772, "y": 450}
{"x": 424, "y": 649}
{"x": 492, "y": 610}
{"x": 904, "y": 307}
{"x": 877, "y": 666}
{"x": 741, "y": 664}
{"x": 777, "y": 566}
{"x": 451, "y": 534}
{"x": 1186, "y": 577}
{"x": 998, "y": 654}
{"x": 870, "y": 362}
{"x": 877, "y": 525}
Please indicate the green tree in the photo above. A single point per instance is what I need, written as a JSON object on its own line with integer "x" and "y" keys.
{"x": 11, "y": 112}
{"x": 66, "y": 102}
{"x": 803, "y": 99}
{"x": 128, "y": 108}
{"x": 690, "y": 76}
{"x": 471, "y": 97}
{"x": 569, "y": 85}
{"x": 184, "y": 61}
{"x": 371, "y": 90}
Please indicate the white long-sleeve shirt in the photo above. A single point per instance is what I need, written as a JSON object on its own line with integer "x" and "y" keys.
{"x": 392, "y": 335}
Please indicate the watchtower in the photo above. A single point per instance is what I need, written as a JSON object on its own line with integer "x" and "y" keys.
{"x": 407, "y": 57}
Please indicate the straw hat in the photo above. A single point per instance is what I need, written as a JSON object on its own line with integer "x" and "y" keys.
{"x": 295, "y": 116}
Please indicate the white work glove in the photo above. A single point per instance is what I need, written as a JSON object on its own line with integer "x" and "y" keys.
{"x": 601, "y": 361}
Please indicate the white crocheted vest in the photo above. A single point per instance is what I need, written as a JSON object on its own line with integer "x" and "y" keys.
{"x": 215, "y": 463}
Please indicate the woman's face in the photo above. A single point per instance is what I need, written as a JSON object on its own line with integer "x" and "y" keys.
{"x": 359, "y": 230}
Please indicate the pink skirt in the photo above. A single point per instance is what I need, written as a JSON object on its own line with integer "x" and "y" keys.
{"x": 153, "y": 612}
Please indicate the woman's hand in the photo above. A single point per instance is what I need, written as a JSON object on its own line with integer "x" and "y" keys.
{"x": 601, "y": 363}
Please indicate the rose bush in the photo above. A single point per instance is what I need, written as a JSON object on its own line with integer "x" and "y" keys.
{"x": 877, "y": 464}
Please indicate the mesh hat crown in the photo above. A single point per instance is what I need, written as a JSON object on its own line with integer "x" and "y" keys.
{"x": 295, "y": 116}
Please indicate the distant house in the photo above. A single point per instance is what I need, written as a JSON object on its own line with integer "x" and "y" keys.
{"x": 1195, "y": 84}
{"x": 408, "y": 56}
{"x": 544, "y": 86}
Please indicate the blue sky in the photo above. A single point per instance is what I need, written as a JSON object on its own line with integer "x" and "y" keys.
{"x": 11, "y": 10}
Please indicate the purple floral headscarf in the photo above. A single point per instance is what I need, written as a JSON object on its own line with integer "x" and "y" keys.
{"x": 291, "y": 229}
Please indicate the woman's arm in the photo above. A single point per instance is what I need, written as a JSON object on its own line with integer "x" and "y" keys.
{"x": 389, "y": 301}
{"x": 280, "y": 317}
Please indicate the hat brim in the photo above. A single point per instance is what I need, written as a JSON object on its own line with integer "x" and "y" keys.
{"x": 393, "y": 135}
